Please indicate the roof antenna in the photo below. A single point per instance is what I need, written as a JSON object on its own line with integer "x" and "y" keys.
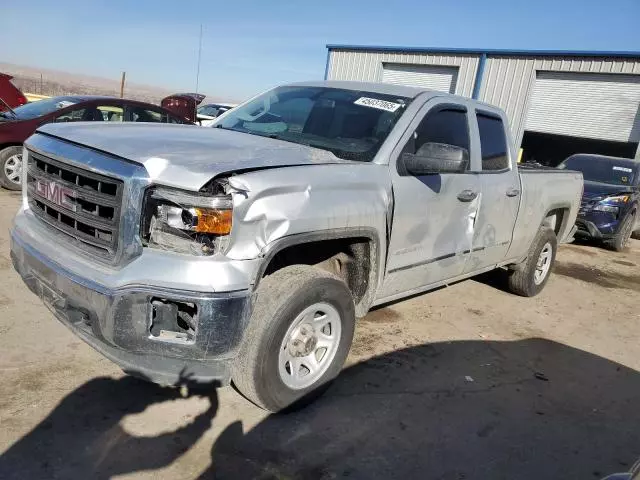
{"x": 199, "y": 57}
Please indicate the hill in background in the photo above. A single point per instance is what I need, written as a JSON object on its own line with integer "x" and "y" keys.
{"x": 53, "y": 83}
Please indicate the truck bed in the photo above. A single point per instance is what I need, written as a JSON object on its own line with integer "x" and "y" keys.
{"x": 545, "y": 189}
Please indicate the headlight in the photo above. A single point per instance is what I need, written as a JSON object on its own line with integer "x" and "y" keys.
{"x": 616, "y": 199}
{"x": 609, "y": 204}
{"x": 606, "y": 208}
{"x": 186, "y": 222}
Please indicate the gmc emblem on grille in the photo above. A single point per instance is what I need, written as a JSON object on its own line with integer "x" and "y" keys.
{"x": 58, "y": 194}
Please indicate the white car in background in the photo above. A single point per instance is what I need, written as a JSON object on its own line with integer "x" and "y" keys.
{"x": 206, "y": 114}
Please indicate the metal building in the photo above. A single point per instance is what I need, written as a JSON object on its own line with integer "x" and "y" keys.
{"x": 558, "y": 102}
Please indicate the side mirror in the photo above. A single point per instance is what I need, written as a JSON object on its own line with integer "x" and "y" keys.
{"x": 432, "y": 158}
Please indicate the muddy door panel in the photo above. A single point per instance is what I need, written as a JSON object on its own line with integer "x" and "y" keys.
{"x": 500, "y": 187}
{"x": 498, "y": 209}
{"x": 434, "y": 212}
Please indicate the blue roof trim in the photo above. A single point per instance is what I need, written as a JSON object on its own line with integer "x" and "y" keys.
{"x": 488, "y": 51}
{"x": 479, "y": 76}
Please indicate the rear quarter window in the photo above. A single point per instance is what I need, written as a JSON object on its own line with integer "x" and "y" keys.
{"x": 493, "y": 142}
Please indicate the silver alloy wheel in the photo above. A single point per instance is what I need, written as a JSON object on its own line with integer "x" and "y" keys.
{"x": 309, "y": 346}
{"x": 544, "y": 264}
{"x": 13, "y": 168}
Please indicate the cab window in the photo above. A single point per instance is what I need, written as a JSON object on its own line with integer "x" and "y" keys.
{"x": 111, "y": 113}
{"x": 493, "y": 142}
{"x": 141, "y": 114}
{"x": 443, "y": 130}
{"x": 76, "y": 115}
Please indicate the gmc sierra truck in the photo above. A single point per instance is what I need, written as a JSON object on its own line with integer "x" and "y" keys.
{"x": 245, "y": 252}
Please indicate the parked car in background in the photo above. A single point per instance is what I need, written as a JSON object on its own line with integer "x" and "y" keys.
{"x": 610, "y": 203}
{"x": 18, "y": 124}
{"x": 209, "y": 112}
{"x": 10, "y": 94}
{"x": 246, "y": 251}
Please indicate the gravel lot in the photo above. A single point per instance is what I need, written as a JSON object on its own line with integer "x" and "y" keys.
{"x": 465, "y": 382}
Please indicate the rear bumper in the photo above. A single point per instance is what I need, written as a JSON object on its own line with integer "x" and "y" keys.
{"x": 117, "y": 322}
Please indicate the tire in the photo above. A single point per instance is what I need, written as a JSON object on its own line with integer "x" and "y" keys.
{"x": 524, "y": 282}
{"x": 8, "y": 167}
{"x": 260, "y": 370}
{"x": 622, "y": 238}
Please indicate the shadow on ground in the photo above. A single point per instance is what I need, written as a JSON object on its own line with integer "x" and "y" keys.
{"x": 531, "y": 409}
{"x": 82, "y": 437}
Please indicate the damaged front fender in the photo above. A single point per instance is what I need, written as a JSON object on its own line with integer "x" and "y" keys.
{"x": 273, "y": 204}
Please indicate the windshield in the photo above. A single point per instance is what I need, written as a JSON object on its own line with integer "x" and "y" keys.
{"x": 350, "y": 124}
{"x": 604, "y": 170}
{"x": 42, "y": 107}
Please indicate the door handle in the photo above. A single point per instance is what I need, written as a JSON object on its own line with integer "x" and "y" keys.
{"x": 467, "y": 195}
{"x": 513, "y": 192}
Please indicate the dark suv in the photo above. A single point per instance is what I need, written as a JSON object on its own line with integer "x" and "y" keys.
{"x": 609, "y": 209}
{"x": 18, "y": 124}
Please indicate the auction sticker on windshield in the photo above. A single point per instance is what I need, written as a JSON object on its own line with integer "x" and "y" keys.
{"x": 377, "y": 103}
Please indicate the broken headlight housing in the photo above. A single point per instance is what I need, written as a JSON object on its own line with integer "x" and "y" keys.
{"x": 186, "y": 222}
{"x": 611, "y": 204}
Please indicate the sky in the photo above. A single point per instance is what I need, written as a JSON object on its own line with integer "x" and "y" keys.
{"x": 249, "y": 46}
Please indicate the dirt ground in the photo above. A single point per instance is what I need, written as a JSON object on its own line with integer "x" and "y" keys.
{"x": 465, "y": 382}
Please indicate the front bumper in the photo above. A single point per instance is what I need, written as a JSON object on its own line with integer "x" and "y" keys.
{"x": 601, "y": 229}
{"x": 117, "y": 321}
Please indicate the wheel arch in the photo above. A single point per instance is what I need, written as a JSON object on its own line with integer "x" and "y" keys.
{"x": 557, "y": 218}
{"x": 366, "y": 266}
{"x": 10, "y": 144}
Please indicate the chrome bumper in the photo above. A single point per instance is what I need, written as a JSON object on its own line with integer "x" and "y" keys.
{"x": 117, "y": 322}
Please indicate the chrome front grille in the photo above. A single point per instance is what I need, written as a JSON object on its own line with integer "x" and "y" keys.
{"x": 82, "y": 204}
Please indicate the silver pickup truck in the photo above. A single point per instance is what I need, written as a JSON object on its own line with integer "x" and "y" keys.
{"x": 246, "y": 251}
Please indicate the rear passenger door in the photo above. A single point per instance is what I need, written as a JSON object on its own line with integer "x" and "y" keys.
{"x": 500, "y": 192}
{"x": 434, "y": 214}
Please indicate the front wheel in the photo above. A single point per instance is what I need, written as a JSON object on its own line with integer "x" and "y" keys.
{"x": 11, "y": 167}
{"x": 529, "y": 280}
{"x": 298, "y": 337}
{"x": 626, "y": 230}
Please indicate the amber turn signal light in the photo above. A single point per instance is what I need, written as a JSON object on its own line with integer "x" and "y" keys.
{"x": 213, "y": 221}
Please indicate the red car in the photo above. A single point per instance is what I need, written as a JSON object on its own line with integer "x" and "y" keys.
{"x": 18, "y": 124}
{"x": 10, "y": 95}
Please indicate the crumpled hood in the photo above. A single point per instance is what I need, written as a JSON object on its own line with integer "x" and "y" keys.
{"x": 187, "y": 156}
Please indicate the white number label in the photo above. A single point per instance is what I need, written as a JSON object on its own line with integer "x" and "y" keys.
{"x": 623, "y": 169}
{"x": 379, "y": 104}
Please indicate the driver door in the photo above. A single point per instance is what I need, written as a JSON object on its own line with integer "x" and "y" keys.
{"x": 434, "y": 214}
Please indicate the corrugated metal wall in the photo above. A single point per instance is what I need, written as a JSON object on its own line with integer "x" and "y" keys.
{"x": 367, "y": 66}
{"x": 508, "y": 81}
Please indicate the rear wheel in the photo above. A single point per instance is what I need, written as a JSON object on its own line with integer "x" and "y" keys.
{"x": 622, "y": 238}
{"x": 298, "y": 337}
{"x": 11, "y": 167}
{"x": 529, "y": 280}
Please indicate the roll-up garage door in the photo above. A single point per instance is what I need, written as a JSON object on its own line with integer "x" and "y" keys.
{"x": 426, "y": 76}
{"x": 591, "y": 105}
